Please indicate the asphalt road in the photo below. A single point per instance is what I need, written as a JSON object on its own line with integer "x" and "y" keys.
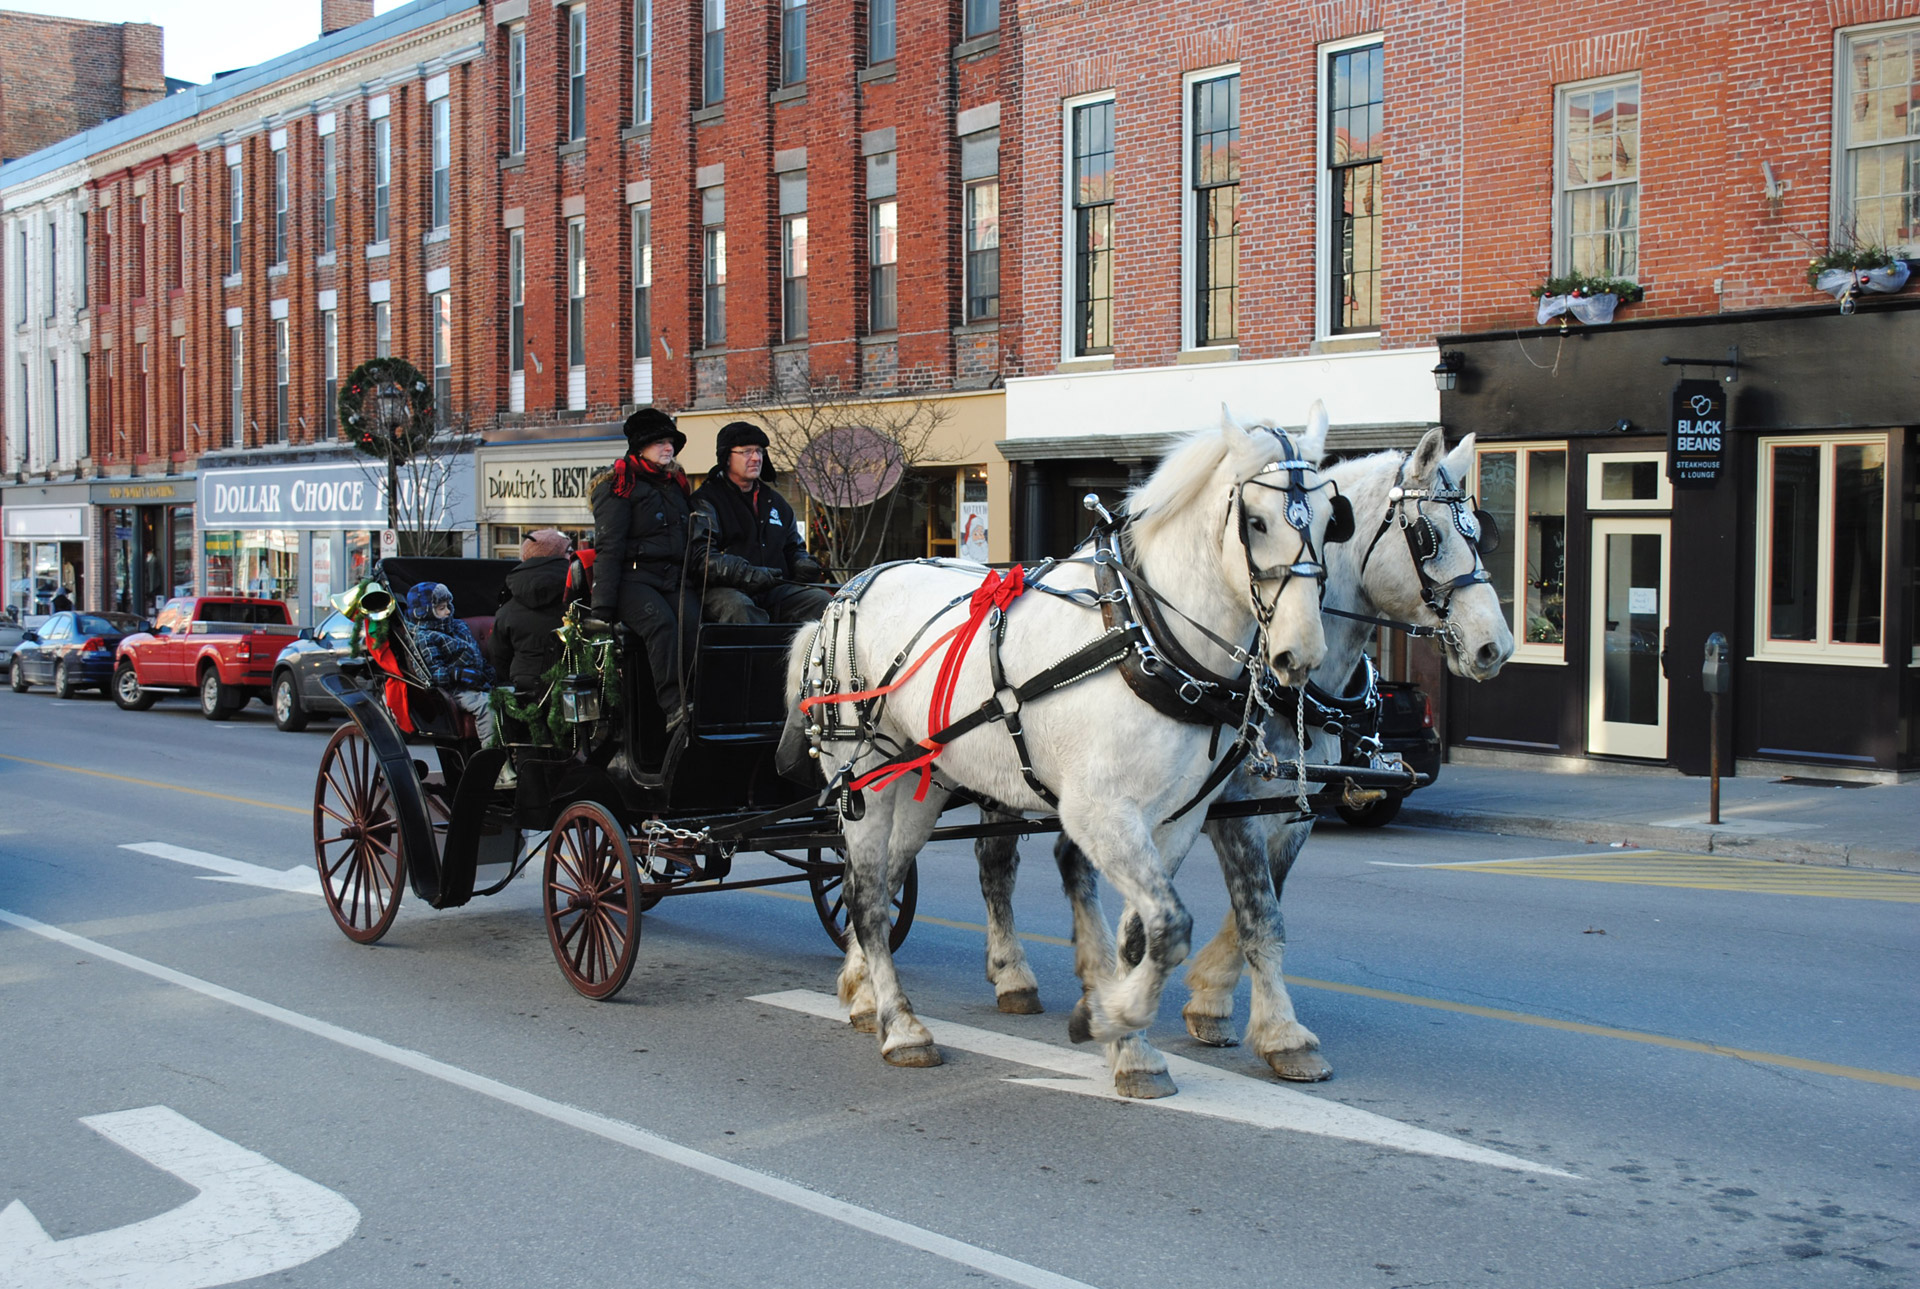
{"x": 1731, "y": 1078}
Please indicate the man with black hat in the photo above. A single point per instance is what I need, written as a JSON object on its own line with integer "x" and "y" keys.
{"x": 757, "y": 524}
{"x": 653, "y": 552}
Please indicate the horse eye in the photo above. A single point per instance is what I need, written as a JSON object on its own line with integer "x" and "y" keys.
{"x": 1258, "y": 524}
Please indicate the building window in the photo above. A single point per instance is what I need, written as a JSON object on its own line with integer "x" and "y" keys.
{"x": 53, "y": 271}
{"x": 793, "y": 278}
{"x": 883, "y": 265}
{"x": 1599, "y": 179}
{"x": 442, "y": 323}
{"x": 517, "y": 91}
{"x": 516, "y": 300}
{"x": 25, "y": 414}
{"x": 1823, "y": 533}
{"x": 1355, "y": 163}
{"x": 713, "y": 210}
{"x": 281, "y": 370}
{"x": 139, "y": 249}
{"x": 713, "y": 51}
{"x": 236, "y": 383}
{"x": 382, "y": 175}
{"x": 982, "y": 16}
{"x": 793, "y": 42}
{"x": 329, "y": 371}
{"x": 20, "y": 279}
{"x": 53, "y": 407}
{"x": 329, "y": 189}
{"x": 576, "y": 293}
{"x": 642, "y": 61}
{"x": 106, "y": 400}
{"x": 1091, "y": 196}
{"x": 106, "y": 258}
{"x": 442, "y": 163}
{"x": 577, "y": 72}
{"x": 180, "y": 387}
{"x": 1525, "y": 490}
{"x": 179, "y": 237}
{"x": 642, "y": 283}
{"x": 1215, "y": 172}
{"x": 236, "y": 217}
{"x": 142, "y": 422}
{"x": 880, "y": 27}
{"x": 383, "y": 330}
{"x": 1877, "y": 200}
{"x": 279, "y": 207}
{"x": 81, "y": 267}
{"x": 983, "y": 250}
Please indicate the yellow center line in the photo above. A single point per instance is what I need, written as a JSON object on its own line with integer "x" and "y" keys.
{"x": 1518, "y": 1018}
{"x": 150, "y": 783}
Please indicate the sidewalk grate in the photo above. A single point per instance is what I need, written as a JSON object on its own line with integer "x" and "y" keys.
{"x": 1709, "y": 873}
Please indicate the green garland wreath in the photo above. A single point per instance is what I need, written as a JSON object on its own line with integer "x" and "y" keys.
{"x": 359, "y": 423}
{"x": 581, "y": 653}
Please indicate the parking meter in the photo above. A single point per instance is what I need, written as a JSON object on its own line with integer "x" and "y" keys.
{"x": 1716, "y": 672}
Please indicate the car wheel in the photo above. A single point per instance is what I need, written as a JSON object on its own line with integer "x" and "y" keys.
{"x": 219, "y": 700}
{"x": 17, "y": 677}
{"x": 128, "y": 695}
{"x": 1372, "y": 815}
{"x": 288, "y": 712}
{"x": 62, "y": 684}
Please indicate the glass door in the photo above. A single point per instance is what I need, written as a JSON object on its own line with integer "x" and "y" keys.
{"x": 1626, "y": 692}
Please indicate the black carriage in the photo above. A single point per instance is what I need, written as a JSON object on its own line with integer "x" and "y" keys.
{"x": 407, "y": 797}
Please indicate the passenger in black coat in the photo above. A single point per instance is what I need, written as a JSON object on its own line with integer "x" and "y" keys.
{"x": 523, "y": 643}
{"x": 757, "y": 524}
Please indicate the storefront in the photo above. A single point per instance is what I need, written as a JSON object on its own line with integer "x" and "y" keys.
{"x": 146, "y": 531}
{"x": 527, "y": 486}
{"x": 303, "y": 533}
{"x": 1764, "y": 489}
{"x": 46, "y": 547}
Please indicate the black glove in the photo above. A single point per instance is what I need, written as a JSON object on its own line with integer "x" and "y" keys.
{"x": 807, "y": 569}
{"x": 758, "y": 579}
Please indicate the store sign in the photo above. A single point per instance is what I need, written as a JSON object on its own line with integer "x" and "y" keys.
{"x": 28, "y": 523}
{"x": 1698, "y": 439}
{"x": 134, "y": 492}
{"x": 545, "y": 489}
{"x": 334, "y": 496}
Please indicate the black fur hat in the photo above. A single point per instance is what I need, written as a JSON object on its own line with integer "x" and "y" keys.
{"x": 743, "y": 434}
{"x": 650, "y": 425}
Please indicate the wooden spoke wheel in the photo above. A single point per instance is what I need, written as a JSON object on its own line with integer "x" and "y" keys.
{"x": 590, "y": 893}
{"x": 830, "y": 902}
{"x": 356, "y": 837}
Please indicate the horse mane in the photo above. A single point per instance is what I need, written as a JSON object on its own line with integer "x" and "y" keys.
{"x": 1176, "y": 482}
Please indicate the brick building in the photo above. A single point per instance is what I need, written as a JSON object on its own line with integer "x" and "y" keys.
{"x": 1707, "y": 153}
{"x": 59, "y": 76}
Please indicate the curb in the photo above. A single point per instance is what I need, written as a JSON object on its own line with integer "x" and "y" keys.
{"x": 1702, "y": 841}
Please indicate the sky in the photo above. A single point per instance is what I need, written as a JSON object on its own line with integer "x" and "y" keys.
{"x": 206, "y": 36}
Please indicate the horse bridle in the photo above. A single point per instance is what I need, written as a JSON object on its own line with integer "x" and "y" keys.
{"x": 1299, "y": 516}
{"x": 1424, "y": 543}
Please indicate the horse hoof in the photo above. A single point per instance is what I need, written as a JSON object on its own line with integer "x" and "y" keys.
{"x": 863, "y": 1022}
{"x": 919, "y": 1057}
{"x": 1080, "y": 1023}
{"x": 1144, "y": 1085}
{"x": 1214, "y": 1031}
{"x": 1301, "y": 1065}
{"x": 1021, "y": 1002}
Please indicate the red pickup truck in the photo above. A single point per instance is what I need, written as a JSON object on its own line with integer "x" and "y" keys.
{"x": 219, "y": 647}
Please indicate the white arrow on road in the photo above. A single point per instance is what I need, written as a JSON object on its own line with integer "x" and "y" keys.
{"x": 251, "y": 1218}
{"x": 305, "y": 880}
{"x": 1204, "y": 1089}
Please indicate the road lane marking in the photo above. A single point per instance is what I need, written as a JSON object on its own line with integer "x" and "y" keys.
{"x": 614, "y": 1130}
{"x": 1204, "y": 1089}
{"x": 1855, "y": 1072}
{"x": 150, "y": 783}
{"x": 1702, "y": 873}
{"x": 303, "y": 880}
{"x": 251, "y": 1218}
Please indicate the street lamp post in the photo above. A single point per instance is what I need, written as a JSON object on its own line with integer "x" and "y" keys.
{"x": 395, "y": 411}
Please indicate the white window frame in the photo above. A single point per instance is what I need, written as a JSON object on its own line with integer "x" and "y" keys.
{"x": 1189, "y": 316}
{"x": 1841, "y": 215}
{"x": 236, "y": 219}
{"x": 793, "y": 21}
{"x": 440, "y": 173}
{"x": 282, "y": 374}
{"x": 576, "y": 72}
{"x": 516, "y": 299}
{"x": 642, "y": 61}
{"x": 1068, "y": 322}
{"x": 713, "y": 38}
{"x": 1823, "y": 651}
{"x": 1323, "y": 188}
{"x": 440, "y": 324}
{"x": 576, "y": 251}
{"x": 1524, "y": 650}
{"x": 237, "y": 384}
{"x": 282, "y": 201}
{"x": 329, "y": 195}
{"x": 382, "y": 179}
{"x": 516, "y": 91}
{"x": 1562, "y": 234}
{"x": 639, "y": 222}
{"x": 1663, "y": 490}
{"x": 382, "y": 329}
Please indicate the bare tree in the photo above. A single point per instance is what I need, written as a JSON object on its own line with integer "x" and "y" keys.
{"x": 422, "y": 482}
{"x": 854, "y": 455}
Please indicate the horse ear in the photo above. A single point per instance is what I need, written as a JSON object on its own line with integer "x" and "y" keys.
{"x": 1426, "y": 459}
{"x": 1313, "y": 440}
{"x": 1459, "y": 463}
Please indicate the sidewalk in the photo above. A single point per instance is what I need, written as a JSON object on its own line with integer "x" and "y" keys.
{"x": 1868, "y": 826}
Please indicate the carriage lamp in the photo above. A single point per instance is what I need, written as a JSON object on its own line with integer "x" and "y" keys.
{"x": 1446, "y": 372}
{"x": 580, "y": 700}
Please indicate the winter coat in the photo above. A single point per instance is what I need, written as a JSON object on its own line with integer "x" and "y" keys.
{"x": 523, "y": 642}
{"x": 759, "y": 526}
{"x": 641, "y": 528}
{"x": 451, "y": 653}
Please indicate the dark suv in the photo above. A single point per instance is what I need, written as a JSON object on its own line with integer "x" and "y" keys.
{"x": 1406, "y": 729}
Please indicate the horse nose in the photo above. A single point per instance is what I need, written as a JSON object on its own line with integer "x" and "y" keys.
{"x": 1488, "y": 656}
{"x": 1286, "y": 663}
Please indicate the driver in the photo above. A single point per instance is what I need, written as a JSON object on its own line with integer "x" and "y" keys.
{"x": 757, "y": 524}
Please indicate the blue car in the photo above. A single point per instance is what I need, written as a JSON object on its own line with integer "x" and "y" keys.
{"x": 71, "y": 651}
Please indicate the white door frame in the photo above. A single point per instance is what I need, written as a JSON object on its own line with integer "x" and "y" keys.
{"x": 1611, "y": 738}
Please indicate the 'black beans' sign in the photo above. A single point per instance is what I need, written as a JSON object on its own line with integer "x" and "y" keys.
{"x": 1697, "y": 443}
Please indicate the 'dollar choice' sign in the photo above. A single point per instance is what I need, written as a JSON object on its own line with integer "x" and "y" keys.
{"x": 1698, "y": 440}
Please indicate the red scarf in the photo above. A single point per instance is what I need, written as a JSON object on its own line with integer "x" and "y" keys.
{"x": 627, "y": 471}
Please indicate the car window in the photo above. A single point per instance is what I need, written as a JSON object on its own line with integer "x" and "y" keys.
{"x": 336, "y": 630}
{"x": 59, "y": 627}
{"x": 174, "y": 616}
{"x": 92, "y": 624}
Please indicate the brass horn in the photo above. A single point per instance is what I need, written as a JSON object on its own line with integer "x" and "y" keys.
{"x": 365, "y": 601}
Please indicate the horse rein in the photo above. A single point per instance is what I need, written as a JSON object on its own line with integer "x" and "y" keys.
{"x": 1475, "y": 525}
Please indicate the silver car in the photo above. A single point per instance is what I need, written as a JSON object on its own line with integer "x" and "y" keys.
{"x": 296, "y": 694}
{"x": 11, "y": 633}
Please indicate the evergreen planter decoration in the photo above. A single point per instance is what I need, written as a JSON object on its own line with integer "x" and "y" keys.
{"x": 364, "y": 422}
{"x": 1584, "y": 299}
{"x": 1847, "y": 272}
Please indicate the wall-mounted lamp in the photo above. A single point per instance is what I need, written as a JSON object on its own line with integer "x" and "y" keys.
{"x": 1446, "y": 372}
{"x": 1775, "y": 190}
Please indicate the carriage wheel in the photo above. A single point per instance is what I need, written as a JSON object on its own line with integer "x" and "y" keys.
{"x": 830, "y": 902}
{"x": 589, "y": 892}
{"x": 356, "y": 837}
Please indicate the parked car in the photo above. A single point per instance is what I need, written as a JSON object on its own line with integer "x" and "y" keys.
{"x": 220, "y": 647}
{"x": 1406, "y": 729}
{"x": 12, "y": 631}
{"x": 297, "y": 695}
{"x": 71, "y": 651}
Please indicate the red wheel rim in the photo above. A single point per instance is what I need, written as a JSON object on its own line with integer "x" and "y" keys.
{"x": 590, "y": 895}
{"x": 356, "y": 838}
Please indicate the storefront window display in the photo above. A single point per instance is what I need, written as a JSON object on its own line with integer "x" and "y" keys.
{"x": 1529, "y": 576}
{"x": 149, "y": 556}
{"x": 262, "y": 562}
{"x": 504, "y": 539}
{"x": 40, "y": 572}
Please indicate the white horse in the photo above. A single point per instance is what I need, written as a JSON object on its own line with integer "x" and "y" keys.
{"x": 1213, "y": 534}
{"x": 1376, "y": 575}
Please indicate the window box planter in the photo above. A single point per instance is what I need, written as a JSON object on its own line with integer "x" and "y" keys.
{"x": 1590, "y": 301}
{"x": 1844, "y": 283}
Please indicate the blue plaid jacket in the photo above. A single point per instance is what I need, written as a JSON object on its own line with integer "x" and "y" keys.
{"x": 453, "y": 656}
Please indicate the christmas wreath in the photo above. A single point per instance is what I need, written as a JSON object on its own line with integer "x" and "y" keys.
{"x": 584, "y": 651}
{"x": 360, "y": 420}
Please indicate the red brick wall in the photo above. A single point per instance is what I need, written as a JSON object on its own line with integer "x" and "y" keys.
{"x": 59, "y": 76}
